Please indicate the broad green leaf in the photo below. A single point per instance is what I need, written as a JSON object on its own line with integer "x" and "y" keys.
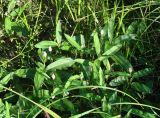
{"x": 42, "y": 93}
{"x": 107, "y": 64}
{"x": 141, "y": 87}
{"x": 121, "y": 74}
{"x": 132, "y": 28}
{"x": 125, "y": 38}
{"x": 142, "y": 114}
{"x": 113, "y": 98}
{"x": 19, "y": 29}
{"x": 118, "y": 81}
{"x": 83, "y": 62}
{"x": 25, "y": 73}
{"x": 46, "y": 44}
{"x": 18, "y": 11}
{"x": 96, "y": 66}
{"x": 58, "y": 32}
{"x": 101, "y": 77}
{"x": 82, "y": 41}
{"x": 61, "y": 63}
{"x": 105, "y": 105}
{"x": 72, "y": 41}
{"x": 2, "y": 109}
{"x": 111, "y": 27}
{"x": 97, "y": 44}
{"x": 104, "y": 31}
{"x": 122, "y": 61}
{"x": 141, "y": 28}
{"x": 38, "y": 80}
{"x": 8, "y": 106}
{"x": 11, "y": 5}
{"x": 142, "y": 73}
{"x": 70, "y": 80}
{"x": 65, "y": 46}
{"x": 7, "y": 78}
{"x": 8, "y": 24}
{"x": 112, "y": 50}
{"x": 68, "y": 105}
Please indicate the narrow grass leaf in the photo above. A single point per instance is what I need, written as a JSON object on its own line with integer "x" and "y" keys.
{"x": 84, "y": 113}
{"x": 53, "y": 114}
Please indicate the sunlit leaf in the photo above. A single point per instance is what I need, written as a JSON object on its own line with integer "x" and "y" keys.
{"x": 46, "y": 44}
{"x": 111, "y": 27}
{"x": 72, "y": 41}
{"x": 7, "y": 78}
{"x": 60, "y": 64}
{"x": 38, "y": 80}
{"x": 11, "y": 5}
{"x": 118, "y": 81}
{"x": 8, "y": 25}
{"x": 97, "y": 44}
{"x": 112, "y": 50}
{"x": 58, "y": 32}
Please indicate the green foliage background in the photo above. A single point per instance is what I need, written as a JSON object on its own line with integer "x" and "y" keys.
{"x": 79, "y": 58}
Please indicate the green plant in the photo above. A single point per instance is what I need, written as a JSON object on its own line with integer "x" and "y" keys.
{"x": 80, "y": 63}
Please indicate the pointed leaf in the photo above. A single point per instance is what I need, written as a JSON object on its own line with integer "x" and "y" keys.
{"x": 112, "y": 50}
{"x": 142, "y": 73}
{"x": 101, "y": 77}
{"x": 46, "y": 44}
{"x": 141, "y": 87}
{"x": 61, "y": 63}
{"x": 132, "y": 28}
{"x": 72, "y": 41}
{"x": 25, "y": 73}
{"x": 58, "y": 32}
{"x": 7, "y": 78}
{"x": 8, "y": 24}
{"x": 97, "y": 44}
{"x": 118, "y": 81}
{"x": 122, "y": 61}
{"x": 111, "y": 28}
{"x": 11, "y": 5}
{"x": 38, "y": 80}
